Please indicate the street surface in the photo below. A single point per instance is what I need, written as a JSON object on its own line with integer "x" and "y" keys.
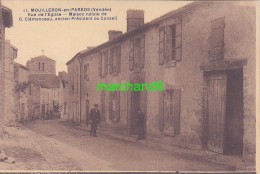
{"x": 105, "y": 153}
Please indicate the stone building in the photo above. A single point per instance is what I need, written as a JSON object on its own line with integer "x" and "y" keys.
{"x": 74, "y": 90}
{"x": 41, "y": 65}
{"x": 6, "y": 20}
{"x": 65, "y": 85}
{"x": 9, "y": 85}
{"x": 45, "y": 91}
{"x": 45, "y": 95}
{"x": 204, "y": 53}
{"x": 21, "y": 92}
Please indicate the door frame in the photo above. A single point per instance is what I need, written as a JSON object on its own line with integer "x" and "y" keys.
{"x": 137, "y": 77}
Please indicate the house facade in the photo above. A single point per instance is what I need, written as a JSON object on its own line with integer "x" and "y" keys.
{"x": 205, "y": 56}
{"x": 74, "y": 90}
{"x": 65, "y": 86}
{"x": 45, "y": 95}
{"x": 6, "y": 20}
{"x": 21, "y": 92}
{"x": 9, "y": 85}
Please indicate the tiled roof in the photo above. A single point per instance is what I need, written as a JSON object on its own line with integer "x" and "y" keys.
{"x": 139, "y": 29}
{"x": 21, "y": 66}
{"x": 45, "y": 80}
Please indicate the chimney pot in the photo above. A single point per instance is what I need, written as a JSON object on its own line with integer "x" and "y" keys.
{"x": 113, "y": 34}
{"x": 135, "y": 18}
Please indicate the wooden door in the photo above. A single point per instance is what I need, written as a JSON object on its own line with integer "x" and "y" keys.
{"x": 217, "y": 84}
{"x": 135, "y": 104}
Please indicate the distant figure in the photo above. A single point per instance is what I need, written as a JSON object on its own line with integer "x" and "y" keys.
{"x": 95, "y": 119}
{"x": 140, "y": 124}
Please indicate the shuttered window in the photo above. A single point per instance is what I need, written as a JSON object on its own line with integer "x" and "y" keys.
{"x": 137, "y": 52}
{"x": 176, "y": 42}
{"x": 216, "y": 39}
{"x": 115, "y": 60}
{"x": 170, "y": 43}
{"x": 86, "y": 67}
{"x": 103, "y": 63}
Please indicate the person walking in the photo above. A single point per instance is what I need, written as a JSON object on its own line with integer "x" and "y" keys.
{"x": 95, "y": 119}
{"x": 140, "y": 124}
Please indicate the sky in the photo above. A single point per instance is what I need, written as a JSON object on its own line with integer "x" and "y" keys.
{"x": 61, "y": 40}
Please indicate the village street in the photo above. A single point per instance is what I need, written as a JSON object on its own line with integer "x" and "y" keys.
{"x": 62, "y": 147}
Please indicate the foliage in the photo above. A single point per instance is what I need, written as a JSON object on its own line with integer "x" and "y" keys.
{"x": 22, "y": 86}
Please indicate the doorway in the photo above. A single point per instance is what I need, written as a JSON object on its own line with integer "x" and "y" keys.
{"x": 225, "y": 111}
{"x": 135, "y": 104}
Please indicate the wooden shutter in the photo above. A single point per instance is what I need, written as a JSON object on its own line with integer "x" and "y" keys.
{"x": 142, "y": 51}
{"x": 131, "y": 54}
{"x": 105, "y": 63}
{"x": 166, "y": 111}
{"x": 161, "y": 45}
{"x": 161, "y": 106}
{"x": 137, "y": 52}
{"x": 216, "y": 39}
{"x": 177, "y": 108}
{"x": 168, "y": 44}
{"x": 178, "y": 39}
{"x": 111, "y": 105}
{"x": 216, "y": 101}
{"x": 118, "y": 55}
{"x": 102, "y": 104}
{"x": 117, "y": 106}
{"x": 115, "y": 60}
{"x": 100, "y": 65}
{"x": 111, "y": 61}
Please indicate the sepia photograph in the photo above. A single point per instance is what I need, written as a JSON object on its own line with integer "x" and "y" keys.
{"x": 129, "y": 86}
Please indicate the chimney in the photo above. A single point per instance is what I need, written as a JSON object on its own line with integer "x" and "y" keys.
{"x": 135, "y": 18}
{"x": 89, "y": 48}
{"x": 113, "y": 34}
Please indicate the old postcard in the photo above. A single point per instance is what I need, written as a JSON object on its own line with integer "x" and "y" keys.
{"x": 128, "y": 86}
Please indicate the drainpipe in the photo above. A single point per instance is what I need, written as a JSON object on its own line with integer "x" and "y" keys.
{"x": 80, "y": 75}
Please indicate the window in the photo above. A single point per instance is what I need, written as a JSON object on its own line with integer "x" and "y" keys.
{"x": 216, "y": 39}
{"x": 137, "y": 52}
{"x": 176, "y": 42}
{"x": 103, "y": 63}
{"x": 115, "y": 60}
{"x": 169, "y": 106}
{"x": 39, "y": 66}
{"x": 86, "y": 67}
{"x": 170, "y": 43}
{"x": 42, "y": 66}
